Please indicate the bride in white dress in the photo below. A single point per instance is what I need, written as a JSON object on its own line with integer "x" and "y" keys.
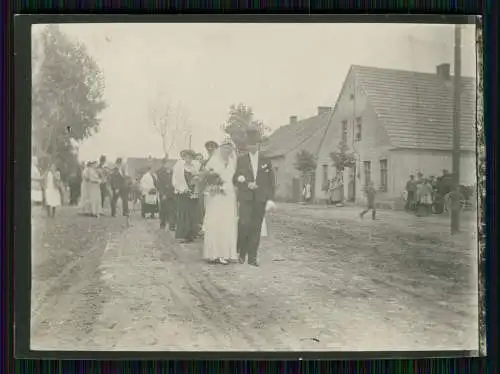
{"x": 221, "y": 221}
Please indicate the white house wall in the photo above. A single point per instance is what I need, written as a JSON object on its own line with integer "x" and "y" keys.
{"x": 374, "y": 144}
{"x": 429, "y": 163}
{"x": 331, "y": 140}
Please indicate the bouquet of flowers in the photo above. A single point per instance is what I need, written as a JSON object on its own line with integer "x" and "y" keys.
{"x": 210, "y": 181}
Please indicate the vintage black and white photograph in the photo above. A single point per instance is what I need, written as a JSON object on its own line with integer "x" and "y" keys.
{"x": 254, "y": 187}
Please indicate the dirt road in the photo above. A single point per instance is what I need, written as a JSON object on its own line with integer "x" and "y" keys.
{"x": 327, "y": 281}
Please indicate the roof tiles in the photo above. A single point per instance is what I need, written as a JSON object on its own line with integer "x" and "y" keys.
{"x": 290, "y": 137}
{"x": 417, "y": 108}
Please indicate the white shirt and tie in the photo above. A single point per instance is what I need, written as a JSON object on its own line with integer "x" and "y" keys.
{"x": 254, "y": 161}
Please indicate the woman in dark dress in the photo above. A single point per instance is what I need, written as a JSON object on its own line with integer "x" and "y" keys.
{"x": 184, "y": 181}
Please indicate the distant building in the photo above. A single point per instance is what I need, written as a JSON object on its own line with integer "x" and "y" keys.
{"x": 284, "y": 145}
{"x": 397, "y": 123}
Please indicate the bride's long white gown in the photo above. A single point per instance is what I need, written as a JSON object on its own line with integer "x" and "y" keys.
{"x": 221, "y": 221}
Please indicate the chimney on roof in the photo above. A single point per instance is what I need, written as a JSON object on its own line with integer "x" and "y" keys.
{"x": 293, "y": 120}
{"x": 324, "y": 109}
{"x": 443, "y": 71}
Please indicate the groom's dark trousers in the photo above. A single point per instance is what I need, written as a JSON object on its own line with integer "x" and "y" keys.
{"x": 120, "y": 191}
{"x": 252, "y": 203}
{"x": 251, "y": 213}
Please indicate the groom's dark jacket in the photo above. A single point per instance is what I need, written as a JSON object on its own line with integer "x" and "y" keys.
{"x": 244, "y": 175}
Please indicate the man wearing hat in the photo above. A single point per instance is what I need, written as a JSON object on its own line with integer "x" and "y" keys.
{"x": 119, "y": 187}
{"x": 103, "y": 174}
{"x": 254, "y": 179}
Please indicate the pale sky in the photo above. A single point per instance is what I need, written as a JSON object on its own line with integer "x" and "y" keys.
{"x": 278, "y": 69}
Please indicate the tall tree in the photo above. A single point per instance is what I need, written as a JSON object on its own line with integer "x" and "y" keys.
{"x": 67, "y": 96}
{"x": 241, "y": 118}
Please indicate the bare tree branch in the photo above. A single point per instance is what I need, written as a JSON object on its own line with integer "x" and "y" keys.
{"x": 178, "y": 120}
{"x": 166, "y": 121}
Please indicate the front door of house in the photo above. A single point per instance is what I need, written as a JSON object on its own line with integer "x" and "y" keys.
{"x": 313, "y": 185}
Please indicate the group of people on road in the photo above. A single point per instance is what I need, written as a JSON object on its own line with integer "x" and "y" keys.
{"x": 421, "y": 192}
{"x": 100, "y": 182}
{"x": 222, "y": 199}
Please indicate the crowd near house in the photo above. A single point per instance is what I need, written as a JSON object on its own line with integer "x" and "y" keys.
{"x": 394, "y": 123}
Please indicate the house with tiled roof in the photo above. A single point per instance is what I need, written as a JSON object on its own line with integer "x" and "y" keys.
{"x": 397, "y": 123}
{"x": 284, "y": 145}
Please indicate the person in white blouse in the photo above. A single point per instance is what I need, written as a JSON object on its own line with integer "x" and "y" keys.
{"x": 149, "y": 194}
{"x": 53, "y": 190}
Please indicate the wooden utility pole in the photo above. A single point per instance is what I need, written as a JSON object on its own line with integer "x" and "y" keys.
{"x": 457, "y": 86}
{"x": 190, "y": 138}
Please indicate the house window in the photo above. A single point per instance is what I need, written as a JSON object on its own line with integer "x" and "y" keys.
{"x": 359, "y": 128}
{"x": 276, "y": 170}
{"x": 383, "y": 175}
{"x": 368, "y": 171}
{"x": 325, "y": 182}
{"x": 344, "y": 130}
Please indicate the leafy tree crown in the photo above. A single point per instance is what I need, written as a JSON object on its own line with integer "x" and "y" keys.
{"x": 67, "y": 97}
{"x": 305, "y": 162}
{"x": 240, "y": 120}
{"x": 342, "y": 157}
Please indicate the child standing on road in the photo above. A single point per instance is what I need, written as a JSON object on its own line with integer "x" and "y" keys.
{"x": 370, "y": 197}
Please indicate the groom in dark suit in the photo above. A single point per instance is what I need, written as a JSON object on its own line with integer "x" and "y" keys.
{"x": 254, "y": 179}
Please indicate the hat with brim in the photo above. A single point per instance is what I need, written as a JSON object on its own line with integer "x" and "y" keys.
{"x": 211, "y": 144}
{"x": 188, "y": 153}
